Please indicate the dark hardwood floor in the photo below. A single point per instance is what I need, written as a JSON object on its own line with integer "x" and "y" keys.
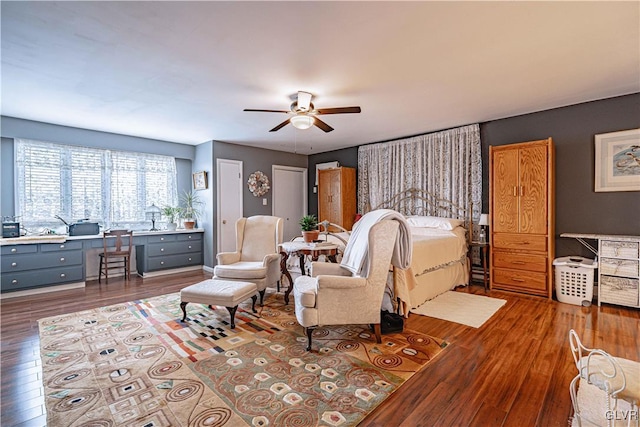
{"x": 513, "y": 371}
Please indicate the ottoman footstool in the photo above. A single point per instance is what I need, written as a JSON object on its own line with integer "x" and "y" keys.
{"x": 219, "y": 292}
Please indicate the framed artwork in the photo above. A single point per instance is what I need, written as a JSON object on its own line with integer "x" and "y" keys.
{"x": 618, "y": 161}
{"x": 200, "y": 180}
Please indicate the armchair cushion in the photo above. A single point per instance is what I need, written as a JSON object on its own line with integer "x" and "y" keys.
{"x": 241, "y": 270}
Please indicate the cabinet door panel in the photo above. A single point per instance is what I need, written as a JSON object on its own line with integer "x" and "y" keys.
{"x": 533, "y": 190}
{"x": 505, "y": 197}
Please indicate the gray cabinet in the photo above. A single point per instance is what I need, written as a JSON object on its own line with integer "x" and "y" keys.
{"x": 167, "y": 251}
{"x": 37, "y": 265}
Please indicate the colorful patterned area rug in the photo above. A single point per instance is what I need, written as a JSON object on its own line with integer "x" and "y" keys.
{"x": 137, "y": 364}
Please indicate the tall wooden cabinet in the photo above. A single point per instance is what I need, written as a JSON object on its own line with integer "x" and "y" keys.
{"x": 521, "y": 191}
{"x": 337, "y": 196}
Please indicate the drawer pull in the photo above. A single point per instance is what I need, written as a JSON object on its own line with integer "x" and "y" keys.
{"x": 189, "y": 259}
{"x": 62, "y": 276}
{"x": 61, "y": 246}
{"x": 524, "y": 243}
{"x": 14, "y": 281}
{"x": 14, "y": 264}
{"x": 515, "y": 190}
{"x": 517, "y": 279}
{"x": 61, "y": 259}
{"x": 189, "y": 246}
{"x": 518, "y": 262}
{"x": 162, "y": 239}
{"x": 14, "y": 250}
{"x": 161, "y": 262}
{"x": 189, "y": 236}
{"x": 161, "y": 249}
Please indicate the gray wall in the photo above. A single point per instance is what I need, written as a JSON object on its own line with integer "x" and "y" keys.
{"x": 578, "y": 208}
{"x": 253, "y": 159}
{"x": 347, "y": 157}
{"x": 11, "y": 128}
{"x": 203, "y": 162}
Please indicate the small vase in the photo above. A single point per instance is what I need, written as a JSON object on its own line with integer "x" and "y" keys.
{"x": 171, "y": 226}
{"x": 189, "y": 224}
{"x": 310, "y": 236}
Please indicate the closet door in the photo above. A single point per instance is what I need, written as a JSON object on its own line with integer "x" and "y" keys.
{"x": 533, "y": 190}
{"x": 505, "y": 191}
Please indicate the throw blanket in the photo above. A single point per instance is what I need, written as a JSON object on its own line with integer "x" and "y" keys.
{"x": 356, "y": 254}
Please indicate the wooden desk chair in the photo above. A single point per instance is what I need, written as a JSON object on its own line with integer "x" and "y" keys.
{"x": 118, "y": 257}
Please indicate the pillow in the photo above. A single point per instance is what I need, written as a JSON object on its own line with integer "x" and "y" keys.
{"x": 434, "y": 222}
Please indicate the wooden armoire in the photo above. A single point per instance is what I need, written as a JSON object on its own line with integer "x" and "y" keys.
{"x": 337, "y": 196}
{"x": 522, "y": 217}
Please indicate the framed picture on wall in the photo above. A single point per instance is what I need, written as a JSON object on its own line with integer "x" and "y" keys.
{"x": 200, "y": 180}
{"x": 618, "y": 161}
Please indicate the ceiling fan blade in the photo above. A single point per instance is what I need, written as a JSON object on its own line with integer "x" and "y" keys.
{"x": 267, "y": 111}
{"x": 280, "y": 126}
{"x": 304, "y": 101}
{"x": 339, "y": 110}
{"x": 322, "y": 125}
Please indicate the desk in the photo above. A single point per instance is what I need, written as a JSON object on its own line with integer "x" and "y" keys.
{"x": 484, "y": 257}
{"x": 302, "y": 249}
{"x": 62, "y": 261}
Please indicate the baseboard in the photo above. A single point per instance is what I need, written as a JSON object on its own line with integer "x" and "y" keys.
{"x": 43, "y": 290}
{"x": 170, "y": 271}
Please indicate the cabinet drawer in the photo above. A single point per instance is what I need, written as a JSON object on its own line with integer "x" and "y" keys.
{"x": 617, "y": 249}
{"x": 161, "y": 238}
{"x": 174, "y": 261}
{"x": 39, "y": 261}
{"x": 170, "y": 248}
{"x": 619, "y": 290}
{"x": 619, "y": 267}
{"x": 66, "y": 246}
{"x": 521, "y": 281}
{"x": 519, "y": 261}
{"x": 19, "y": 249}
{"x": 529, "y": 242}
{"x": 190, "y": 236}
{"x": 37, "y": 278}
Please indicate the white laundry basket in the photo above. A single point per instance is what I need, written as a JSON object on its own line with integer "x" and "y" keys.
{"x": 574, "y": 279}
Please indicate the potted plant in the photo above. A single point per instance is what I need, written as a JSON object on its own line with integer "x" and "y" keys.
{"x": 309, "y": 225}
{"x": 171, "y": 213}
{"x": 190, "y": 208}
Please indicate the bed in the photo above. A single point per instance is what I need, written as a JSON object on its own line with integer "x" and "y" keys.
{"x": 439, "y": 230}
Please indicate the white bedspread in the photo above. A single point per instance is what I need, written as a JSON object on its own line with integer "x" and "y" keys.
{"x": 433, "y": 249}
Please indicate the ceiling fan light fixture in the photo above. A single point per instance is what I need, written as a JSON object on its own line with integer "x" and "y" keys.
{"x": 302, "y": 121}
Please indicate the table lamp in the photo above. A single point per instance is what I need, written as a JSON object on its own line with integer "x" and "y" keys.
{"x": 151, "y": 214}
{"x": 484, "y": 221}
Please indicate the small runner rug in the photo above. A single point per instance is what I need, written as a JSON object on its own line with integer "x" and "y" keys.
{"x": 461, "y": 307}
{"x": 137, "y": 364}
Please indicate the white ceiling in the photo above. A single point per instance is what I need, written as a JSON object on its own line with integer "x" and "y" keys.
{"x": 184, "y": 71}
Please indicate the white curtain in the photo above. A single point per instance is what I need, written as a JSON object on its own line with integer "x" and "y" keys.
{"x": 445, "y": 164}
{"x": 111, "y": 187}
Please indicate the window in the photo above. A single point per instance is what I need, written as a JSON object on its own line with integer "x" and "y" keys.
{"x": 111, "y": 187}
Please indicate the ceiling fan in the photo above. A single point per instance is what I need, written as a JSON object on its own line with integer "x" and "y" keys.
{"x": 304, "y": 114}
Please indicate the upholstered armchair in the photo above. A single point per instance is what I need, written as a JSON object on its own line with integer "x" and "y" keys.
{"x": 256, "y": 258}
{"x": 333, "y": 295}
